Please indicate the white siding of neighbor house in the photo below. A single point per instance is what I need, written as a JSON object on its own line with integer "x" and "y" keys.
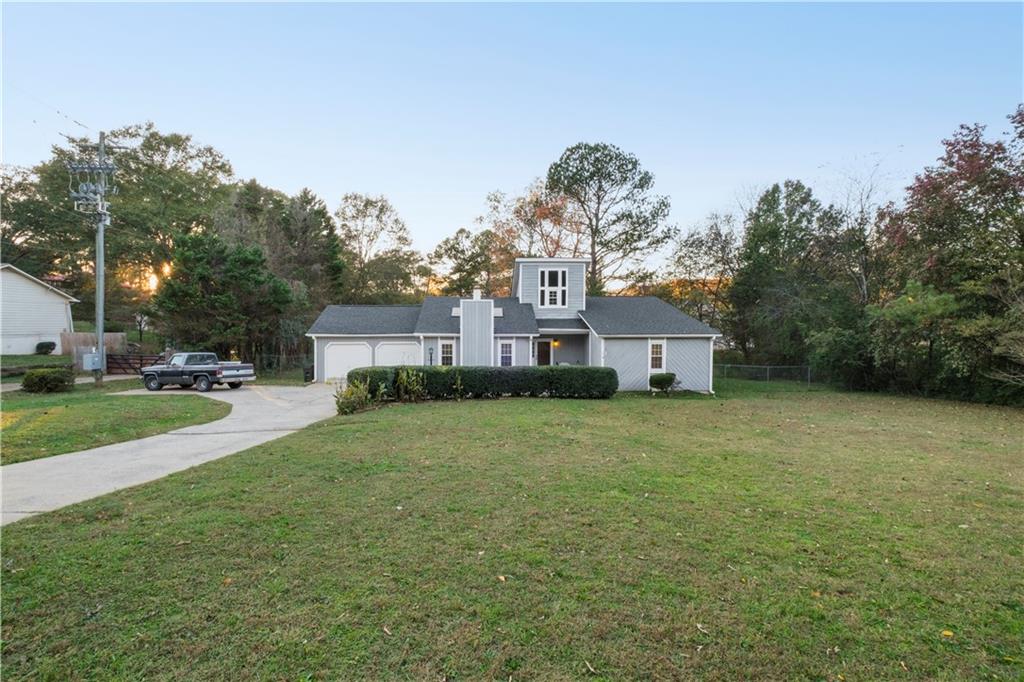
{"x": 629, "y": 358}
{"x": 31, "y": 313}
{"x": 576, "y": 280}
{"x": 372, "y": 341}
{"x": 689, "y": 360}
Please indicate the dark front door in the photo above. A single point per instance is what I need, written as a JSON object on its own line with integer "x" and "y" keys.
{"x": 543, "y": 352}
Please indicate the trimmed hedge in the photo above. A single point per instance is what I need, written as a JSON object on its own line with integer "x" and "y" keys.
{"x": 446, "y": 383}
{"x": 45, "y": 347}
{"x": 662, "y": 381}
{"x": 49, "y": 380}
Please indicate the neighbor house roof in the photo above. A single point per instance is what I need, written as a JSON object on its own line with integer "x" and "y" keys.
{"x": 8, "y": 266}
{"x": 640, "y": 316}
{"x": 367, "y": 319}
{"x": 436, "y": 316}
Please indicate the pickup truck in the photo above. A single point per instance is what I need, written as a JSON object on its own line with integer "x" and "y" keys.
{"x": 201, "y": 370}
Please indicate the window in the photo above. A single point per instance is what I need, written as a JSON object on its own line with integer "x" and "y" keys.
{"x": 553, "y": 288}
{"x": 657, "y": 356}
{"x": 447, "y": 353}
{"x": 177, "y": 361}
{"x": 506, "y": 353}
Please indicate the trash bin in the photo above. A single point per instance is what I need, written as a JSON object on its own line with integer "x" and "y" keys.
{"x": 307, "y": 374}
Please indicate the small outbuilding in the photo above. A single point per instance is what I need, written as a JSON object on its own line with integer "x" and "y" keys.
{"x": 31, "y": 311}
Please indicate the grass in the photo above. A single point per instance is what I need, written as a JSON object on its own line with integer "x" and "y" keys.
{"x": 42, "y": 425}
{"x": 770, "y": 532}
{"x": 10, "y": 361}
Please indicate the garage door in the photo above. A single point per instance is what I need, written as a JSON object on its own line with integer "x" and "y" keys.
{"x": 397, "y": 353}
{"x": 339, "y": 358}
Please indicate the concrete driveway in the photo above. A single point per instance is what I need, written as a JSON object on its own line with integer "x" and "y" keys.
{"x": 258, "y": 414}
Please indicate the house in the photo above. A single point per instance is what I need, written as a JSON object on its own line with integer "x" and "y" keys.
{"x": 32, "y": 311}
{"x": 549, "y": 321}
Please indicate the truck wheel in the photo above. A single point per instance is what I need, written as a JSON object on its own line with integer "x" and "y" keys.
{"x": 234, "y": 384}
{"x": 152, "y": 383}
{"x": 203, "y": 384}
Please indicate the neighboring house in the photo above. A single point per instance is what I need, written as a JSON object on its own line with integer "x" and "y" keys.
{"x": 32, "y": 311}
{"x": 549, "y": 321}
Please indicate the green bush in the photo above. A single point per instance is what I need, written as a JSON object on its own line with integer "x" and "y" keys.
{"x": 374, "y": 378}
{"x": 663, "y": 381}
{"x": 446, "y": 383}
{"x": 48, "y": 380}
{"x": 354, "y": 397}
{"x": 45, "y": 347}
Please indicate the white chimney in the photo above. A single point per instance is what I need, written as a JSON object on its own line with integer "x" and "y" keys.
{"x": 476, "y": 294}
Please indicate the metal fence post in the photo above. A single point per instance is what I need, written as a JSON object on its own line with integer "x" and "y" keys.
{"x": 768, "y": 373}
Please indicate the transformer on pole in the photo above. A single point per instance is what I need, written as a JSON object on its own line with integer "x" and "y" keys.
{"x": 91, "y": 180}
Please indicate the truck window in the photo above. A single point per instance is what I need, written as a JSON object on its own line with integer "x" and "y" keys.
{"x": 177, "y": 361}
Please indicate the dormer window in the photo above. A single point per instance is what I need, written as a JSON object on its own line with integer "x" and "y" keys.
{"x": 553, "y": 288}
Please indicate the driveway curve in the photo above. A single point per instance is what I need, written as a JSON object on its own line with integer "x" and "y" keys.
{"x": 258, "y": 414}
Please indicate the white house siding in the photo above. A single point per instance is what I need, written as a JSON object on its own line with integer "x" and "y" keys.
{"x": 595, "y": 349}
{"x": 372, "y": 341}
{"x": 689, "y": 360}
{"x": 629, "y": 358}
{"x": 575, "y": 277}
{"x": 31, "y": 313}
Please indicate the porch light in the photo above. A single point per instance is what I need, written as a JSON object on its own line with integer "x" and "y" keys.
{"x": 555, "y": 343}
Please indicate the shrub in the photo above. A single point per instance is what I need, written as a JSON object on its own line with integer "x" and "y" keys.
{"x": 45, "y": 347}
{"x": 354, "y": 397}
{"x": 409, "y": 384}
{"x": 446, "y": 383}
{"x": 375, "y": 378}
{"x": 48, "y": 380}
{"x": 663, "y": 381}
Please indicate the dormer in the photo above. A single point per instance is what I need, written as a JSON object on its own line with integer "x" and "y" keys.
{"x": 555, "y": 287}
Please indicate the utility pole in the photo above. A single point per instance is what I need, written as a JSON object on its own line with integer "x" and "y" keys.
{"x": 95, "y": 181}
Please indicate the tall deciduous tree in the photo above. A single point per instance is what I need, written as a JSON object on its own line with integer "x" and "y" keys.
{"x": 382, "y": 266}
{"x": 469, "y": 261}
{"x": 702, "y": 267}
{"x": 625, "y": 221}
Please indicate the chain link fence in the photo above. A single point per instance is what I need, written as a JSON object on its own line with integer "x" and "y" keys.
{"x": 800, "y": 373}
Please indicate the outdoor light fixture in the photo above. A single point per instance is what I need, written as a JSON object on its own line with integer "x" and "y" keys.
{"x": 555, "y": 343}
{"x": 430, "y": 354}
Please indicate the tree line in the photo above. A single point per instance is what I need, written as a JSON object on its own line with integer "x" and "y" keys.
{"x": 923, "y": 294}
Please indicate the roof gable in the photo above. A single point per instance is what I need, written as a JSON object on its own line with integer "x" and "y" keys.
{"x": 436, "y": 317}
{"x": 640, "y": 316}
{"x": 10, "y": 268}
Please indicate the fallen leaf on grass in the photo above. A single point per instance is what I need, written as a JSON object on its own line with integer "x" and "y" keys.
{"x": 227, "y": 581}
{"x": 501, "y": 578}
{"x": 387, "y": 631}
{"x": 947, "y": 633}
{"x": 703, "y": 629}
{"x": 590, "y": 667}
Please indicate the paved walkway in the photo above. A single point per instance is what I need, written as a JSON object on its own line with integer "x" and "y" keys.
{"x": 258, "y": 414}
{"x": 16, "y": 386}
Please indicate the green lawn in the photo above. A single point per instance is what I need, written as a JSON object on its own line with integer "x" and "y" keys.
{"x": 41, "y": 425}
{"x": 9, "y": 361}
{"x": 767, "y": 533}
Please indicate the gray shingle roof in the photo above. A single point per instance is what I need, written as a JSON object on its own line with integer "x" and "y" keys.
{"x": 561, "y": 323}
{"x": 639, "y": 315}
{"x": 367, "y": 319}
{"x": 436, "y": 316}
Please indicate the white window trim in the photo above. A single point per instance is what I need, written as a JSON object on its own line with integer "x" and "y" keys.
{"x": 543, "y": 288}
{"x": 510, "y": 342}
{"x": 650, "y": 356}
{"x": 440, "y": 351}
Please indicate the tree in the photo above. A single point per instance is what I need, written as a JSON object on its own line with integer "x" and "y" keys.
{"x": 469, "y": 263}
{"x": 701, "y": 268}
{"x": 625, "y": 222}
{"x": 382, "y": 267}
{"x": 220, "y": 297}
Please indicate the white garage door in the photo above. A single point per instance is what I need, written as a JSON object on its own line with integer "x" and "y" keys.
{"x": 397, "y": 353}
{"x": 340, "y": 357}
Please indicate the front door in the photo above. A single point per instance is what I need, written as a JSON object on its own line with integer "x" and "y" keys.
{"x": 544, "y": 352}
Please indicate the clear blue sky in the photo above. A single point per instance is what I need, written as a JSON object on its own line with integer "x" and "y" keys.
{"x": 436, "y": 105}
